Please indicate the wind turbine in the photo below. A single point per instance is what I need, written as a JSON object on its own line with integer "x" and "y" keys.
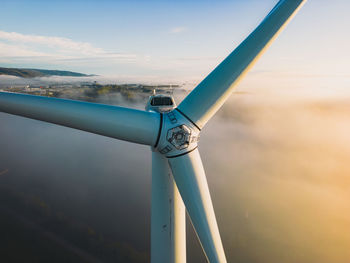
{"x": 178, "y": 178}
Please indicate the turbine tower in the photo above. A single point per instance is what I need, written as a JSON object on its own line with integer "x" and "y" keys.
{"x": 179, "y": 183}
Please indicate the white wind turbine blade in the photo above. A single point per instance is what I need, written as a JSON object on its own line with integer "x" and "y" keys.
{"x": 205, "y": 100}
{"x": 190, "y": 179}
{"x": 112, "y": 121}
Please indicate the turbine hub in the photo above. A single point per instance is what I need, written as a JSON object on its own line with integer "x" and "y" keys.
{"x": 177, "y": 135}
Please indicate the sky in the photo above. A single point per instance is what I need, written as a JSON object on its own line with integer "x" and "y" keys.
{"x": 182, "y": 40}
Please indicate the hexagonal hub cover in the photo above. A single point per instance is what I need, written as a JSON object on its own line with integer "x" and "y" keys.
{"x": 179, "y": 137}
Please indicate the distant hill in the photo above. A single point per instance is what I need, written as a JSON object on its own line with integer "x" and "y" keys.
{"x": 32, "y": 73}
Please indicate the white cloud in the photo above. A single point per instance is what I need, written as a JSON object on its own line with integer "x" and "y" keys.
{"x": 178, "y": 29}
{"x": 8, "y": 51}
{"x": 64, "y": 44}
{"x": 27, "y": 50}
{"x": 17, "y": 46}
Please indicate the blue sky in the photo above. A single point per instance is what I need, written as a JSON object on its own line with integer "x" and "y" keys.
{"x": 167, "y": 39}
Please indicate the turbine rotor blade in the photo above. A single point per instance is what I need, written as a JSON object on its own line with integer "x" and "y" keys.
{"x": 112, "y": 121}
{"x": 190, "y": 179}
{"x": 205, "y": 100}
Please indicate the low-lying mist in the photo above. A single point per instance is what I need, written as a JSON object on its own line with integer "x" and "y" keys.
{"x": 278, "y": 170}
{"x": 6, "y": 80}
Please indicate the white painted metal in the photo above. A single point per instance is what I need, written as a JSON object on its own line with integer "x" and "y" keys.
{"x": 112, "y": 121}
{"x": 168, "y": 225}
{"x": 204, "y": 101}
{"x": 190, "y": 179}
{"x": 160, "y": 107}
{"x": 178, "y": 134}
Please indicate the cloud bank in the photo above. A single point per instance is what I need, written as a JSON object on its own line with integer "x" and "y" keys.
{"x": 17, "y": 47}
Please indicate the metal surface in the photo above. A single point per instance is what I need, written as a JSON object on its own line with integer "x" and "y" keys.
{"x": 190, "y": 179}
{"x": 205, "y": 100}
{"x": 168, "y": 221}
{"x": 112, "y": 121}
{"x": 160, "y": 103}
{"x": 178, "y": 135}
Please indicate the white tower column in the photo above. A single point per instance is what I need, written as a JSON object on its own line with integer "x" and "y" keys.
{"x": 168, "y": 221}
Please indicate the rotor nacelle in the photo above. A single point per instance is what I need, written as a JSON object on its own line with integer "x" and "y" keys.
{"x": 160, "y": 103}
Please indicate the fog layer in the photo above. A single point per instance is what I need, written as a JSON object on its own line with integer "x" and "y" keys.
{"x": 278, "y": 171}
